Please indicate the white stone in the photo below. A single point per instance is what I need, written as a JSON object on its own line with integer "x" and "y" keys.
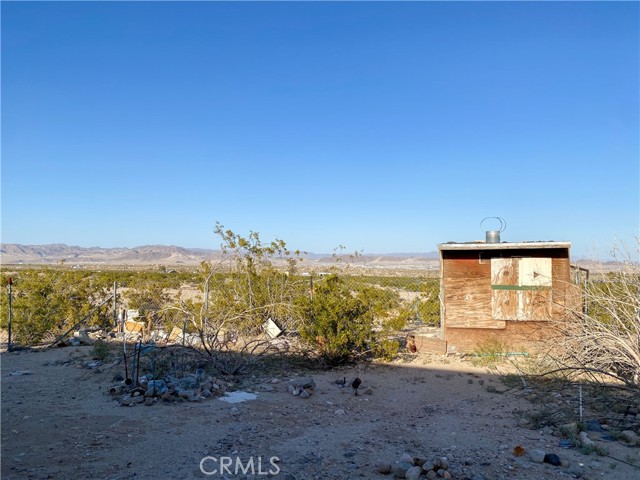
{"x": 536, "y": 455}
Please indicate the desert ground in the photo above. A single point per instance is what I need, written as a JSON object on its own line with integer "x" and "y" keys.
{"x": 60, "y": 421}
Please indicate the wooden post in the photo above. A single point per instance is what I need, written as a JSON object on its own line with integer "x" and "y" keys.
{"x": 9, "y": 346}
{"x": 115, "y": 305}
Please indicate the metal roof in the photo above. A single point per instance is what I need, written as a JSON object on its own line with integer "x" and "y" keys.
{"x": 502, "y": 245}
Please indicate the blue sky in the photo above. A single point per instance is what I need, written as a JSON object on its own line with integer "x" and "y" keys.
{"x": 383, "y": 127}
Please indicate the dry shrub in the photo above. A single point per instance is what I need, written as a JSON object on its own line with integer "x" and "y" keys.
{"x": 601, "y": 342}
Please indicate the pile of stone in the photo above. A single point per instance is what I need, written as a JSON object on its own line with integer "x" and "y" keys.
{"x": 302, "y": 387}
{"x": 413, "y": 468}
{"x": 192, "y": 388}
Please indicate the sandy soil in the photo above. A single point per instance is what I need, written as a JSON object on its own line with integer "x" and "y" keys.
{"x": 60, "y": 422}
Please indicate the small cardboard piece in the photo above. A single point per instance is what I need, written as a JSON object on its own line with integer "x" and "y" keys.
{"x": 272, "y": 329}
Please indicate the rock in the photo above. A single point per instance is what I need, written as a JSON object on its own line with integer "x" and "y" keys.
{"x": 339, "y": 411}
{"x": 188, "y": 383}
{"x": 149, "y": 401}
{"x": 413, "y": 473}
{"x": 585, "y": 441}
{"x": 82, "y": 337}
{"x": 116, "y": 389}
{"x": 440, "y": 463}
{"x": 552, "y": 459}
{"x": 431, "y": 474}
{"x": 206, "y": 385}
{"x": 442, "y": 473}
{"x": 125, "y": 401}
{"x": 406, "y": 458}
{"x": 536, "y": 455}
{"x": 399, "y": 470}
{"x": 303, "y": 382}
{"x": 304, "y": 394}
{"x": 159, "y": 385}
{"x": 630, "y": 436}
{"x": 137, "y": 399}
{"x": 368, "y": 391}
{"x": 189, "y": 395}
{"x": 383, "y": 468}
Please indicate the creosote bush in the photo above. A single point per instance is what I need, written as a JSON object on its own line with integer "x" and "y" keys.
{"x": 46, "y": 301}
{"x": 341, "y": 323}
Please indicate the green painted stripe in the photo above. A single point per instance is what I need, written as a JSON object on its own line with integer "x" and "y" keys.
{"x": 520, "y": 287}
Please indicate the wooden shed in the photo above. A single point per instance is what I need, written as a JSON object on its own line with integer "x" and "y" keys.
{"x": 504, "y": 293}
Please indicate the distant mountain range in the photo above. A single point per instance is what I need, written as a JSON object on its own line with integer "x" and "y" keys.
{"x": 12, "y": 254}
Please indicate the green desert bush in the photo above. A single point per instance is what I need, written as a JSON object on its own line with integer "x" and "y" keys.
{"x": 342, "y": 324}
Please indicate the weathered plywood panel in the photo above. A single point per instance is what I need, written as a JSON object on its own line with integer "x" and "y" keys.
{"x": 424, "y": 344}
{"x": 517, "y": 337}
{"x": 563, "y": 299}
{"x": 521, "y": 288}
{"x": 504, "y": 271}
{"x": 467, "y": 300}
{"x": 504, "y": 304}
{"x": 467, "y": 294}
{"x": 534, "y": 272}
{"x": 534, "y": 304}
{"x": 464, "y": 267}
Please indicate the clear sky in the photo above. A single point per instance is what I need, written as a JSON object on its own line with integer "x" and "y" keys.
{"x": 383, "y": 127}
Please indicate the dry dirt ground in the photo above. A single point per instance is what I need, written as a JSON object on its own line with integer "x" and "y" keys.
{"x": 59, "y": 421}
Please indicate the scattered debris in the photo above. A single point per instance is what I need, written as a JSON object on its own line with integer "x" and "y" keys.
{"x": 302, "y": 387}
{"x": 238, "y": 397}
{"x": 272, "y": 329}
{"x": 355, "y": 384}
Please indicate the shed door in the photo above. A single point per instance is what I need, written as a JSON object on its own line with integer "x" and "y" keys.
{"x": 521, "y": 288}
